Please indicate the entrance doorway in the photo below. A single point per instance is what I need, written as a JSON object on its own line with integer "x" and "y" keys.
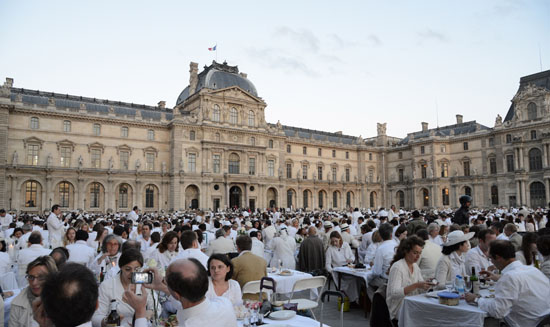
{"x": 235, "y": 194}
{"x": 252, "y": 204}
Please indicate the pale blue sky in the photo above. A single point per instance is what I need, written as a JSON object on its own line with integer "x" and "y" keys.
{"x": 327, "y": 65}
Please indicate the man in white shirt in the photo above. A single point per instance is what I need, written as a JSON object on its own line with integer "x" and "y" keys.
{"x": 383, "y": 257}
{"x": 478, "y": 257}
{"x": 430, "y": 255}
{"x": 27, "y": 255}
{"x": 145, "y": 238}
{"x": 5, "y": 219}
{"x": 222, "y": 243}
{"x": 133, "y": 215}
{"x": 190, "y": 245}
{"x": 521, "y": 292}
{"x": 80, "y": 252}
{"x": 55, "y": 227}
{"x": 187, "y": 282}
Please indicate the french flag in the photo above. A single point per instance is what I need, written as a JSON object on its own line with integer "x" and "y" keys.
{"x": 213, "y": 48}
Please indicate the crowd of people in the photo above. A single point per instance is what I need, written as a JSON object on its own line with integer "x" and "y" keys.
{"x": 71, "y": 266}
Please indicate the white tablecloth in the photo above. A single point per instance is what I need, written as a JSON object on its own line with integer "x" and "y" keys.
{"x": 7, "y": 306}
{"x": 423, "y": 311}
{"x": 297, "y": 321}
{"x": 286, "y": 283}
{"x": 361, "y": 273}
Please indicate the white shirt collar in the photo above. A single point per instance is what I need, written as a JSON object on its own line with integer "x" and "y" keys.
{"x": 196, "y": 310}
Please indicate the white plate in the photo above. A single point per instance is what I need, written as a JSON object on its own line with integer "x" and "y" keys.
{"x": 282, "y": 315}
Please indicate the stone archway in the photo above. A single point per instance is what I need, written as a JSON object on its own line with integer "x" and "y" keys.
{"x": 235, "y": 197}
{"x": 271, "y": 197}
{"x": 192, "y": 197}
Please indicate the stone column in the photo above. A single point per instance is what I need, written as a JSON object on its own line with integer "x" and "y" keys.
{"x": 246, "y": 196}
{"x": 523, "y": 193}
{"x": 518, "y": 192}
{"x": 547, "y": 188}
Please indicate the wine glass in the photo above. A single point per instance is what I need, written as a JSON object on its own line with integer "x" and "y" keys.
{"x": 468, "y": 284}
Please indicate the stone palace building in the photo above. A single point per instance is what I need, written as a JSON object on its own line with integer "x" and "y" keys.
{"x": 214, "y": 149}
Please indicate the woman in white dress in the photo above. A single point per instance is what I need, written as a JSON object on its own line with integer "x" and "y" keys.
{"x": 113, "y": 289}
{"x": 220, "y": 271}
{"x": 405, "y": 277}
{"x": 166, "y": 250}
{"x": 451, "y": 262}
{"x": 339, "y": 254}
{"x": 283, "y": 247}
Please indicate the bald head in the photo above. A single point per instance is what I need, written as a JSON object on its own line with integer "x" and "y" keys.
{"x": 188, "y": 279}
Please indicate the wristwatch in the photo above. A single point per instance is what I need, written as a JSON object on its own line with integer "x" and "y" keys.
{"x": 476, "y": 300}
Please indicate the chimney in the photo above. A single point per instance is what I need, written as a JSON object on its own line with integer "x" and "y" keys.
{"x": 459, "y": 119}
{"x": 193, "y": 77}
{"x": 162, "y": 104}
{"x": 244, "y": 75}
{"x": 9, "y": 82}
{"x": 338, "y": 133}
{"x": 424, "y": 126}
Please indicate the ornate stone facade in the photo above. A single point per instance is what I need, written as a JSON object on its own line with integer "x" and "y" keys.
{"x": 214, "y": 149}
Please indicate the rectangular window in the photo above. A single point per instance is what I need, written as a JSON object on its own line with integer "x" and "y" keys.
{"x": 96, "y": 158}
{"x": 422, "y": 150}
{"x": 443, "y": 149}
{"x": 216, "y": 163}
{"x": 65, "y": 157}
{"x": 192, "y": 162}
{"x": 251, "y": 166}
{"x": 320, "y": 172}
{"x": 334, "y": 174}
{"x": 424, "y": 170}
{"x": 466, "y": 168}
{"x": 150, "y": 135}
{"x": 334, "y": 153}
{"x": 31, "y": 189}
{"x": 124, "y": 160}
{"x": 66, "y": 126}
{"x": 508, "y": 138}
{"x": 370, "y": 156}
{"x": 34, "y": 123}
{"x": 510, "y": 163}
{"x": 270, "y": 168}
{"x": 304, "y": 150}
{"x": 347, "y": 155}
{"x": 491, "y": 141}
{"x": 64, "y": 194}
{"x": 288, "y": 148}
{"x": 444, "y": 169}
{"x": 124, "y": 132}
{"x": 400, "y": 174}
{"x": 304, "y": 172}
{"x": 400, "y": 155}
{"x": 493, "y": 165}
{"x": 465, "y": 146}
{"x": 32, "y": 154}
{"x": 533, "y": 135}
{"x": 319, "y": 152}
{"x": 288, "y": 170}
{"x": 97, "y": 129}
{"x": 347, "y": 174}
{"x": 149, "y": 161}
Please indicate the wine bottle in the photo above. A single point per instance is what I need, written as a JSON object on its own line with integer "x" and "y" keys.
{"x": 102, "y": 275}
{"x": 475, "y": 281}
{"x": 113, "y": 319}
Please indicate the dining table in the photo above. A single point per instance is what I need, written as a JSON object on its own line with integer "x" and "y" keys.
{"x": 285, "y": 282}
{"x": 296, "y": 321}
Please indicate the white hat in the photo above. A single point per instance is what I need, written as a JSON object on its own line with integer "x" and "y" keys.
{"x": 457, "y": 236}
{"x": 344, "y": 227}
{"x": 328, "y": 224}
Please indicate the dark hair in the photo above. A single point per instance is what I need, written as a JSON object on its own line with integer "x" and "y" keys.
{"x": 99, "y": 231}
{"x": 199, "y": 235}
{"x": 498, "y": 226}
{"x": 543, "y": 245}
{"x": 35, "y": 237}
{"x": 447, "y": 250}
{"x": 253, "y": 234}
{"x": 423, "y": 234}
{"x": 166, "y": 239}
{"x": 135, "y": 208}
{"x": 118, "y": 230}
{"x": 191, "y": 287}
{"x": 187, "y": 239}
{"x": 55, "y": 207}
{"x": 70, "y": 296}
{"x": 3, "y": 245}
{"x": 244, "y": 243}
{"x": 128, "y": 256}
{"x": 63, "y": 256}
{"x": 2, "y": 211}
{"x": 527, "y": 240}
{"x": 406, "y": 246}
{"x": 400, "y": 230}
{"x": 155, "y": 237}
{"x": 415, "y": 214}
{"x": 148, "y": 224}
{"x": 385, "y": 231}
{"x": 130, "y": 244}
{"x": 482, "y": 235}
{"x": 223, "y": 258}
{"x": 502, "y": 248}
{"x": 18, "y": 229}
{"x": 81, "y": 235}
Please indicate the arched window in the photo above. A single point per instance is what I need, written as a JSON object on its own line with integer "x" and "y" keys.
{"x": 289, "y": 196}
{"x": 348, "y": 199}
{"x": 445, "y": 196}
{"x": 233, "y": 116}
{"x": 531, "y": 111}
{"x": 372, "y": 199}
{"x": 150, "y": 196}
{"x": 535, "y": 159}
{"x": 426, "y": 197}
{"x": 537, "y": 192}
{"x": 31, "y": 189}
{"x": 401, "y": 198}
{"x": 95, "y": 190}
{"x": 306, "y": 199}
{"x": 251, "y": 119}
{"x": 234, "y": 163}
{"x": 64, "y": 194}
{"x": 494, "y": 195}
{"x": 123, "y": 196}
{"x": 216, "y": 113}
{"x": 321, "y": 200}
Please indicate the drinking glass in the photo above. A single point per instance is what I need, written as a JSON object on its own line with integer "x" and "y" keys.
{"x": 468, "y": 284}
{"x": 449, "y": 285}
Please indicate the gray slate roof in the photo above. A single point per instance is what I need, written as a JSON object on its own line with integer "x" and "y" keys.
{"x": 458, "y": 129}
{"x": 541, "y": 79}
{"x": 310, "y": 134}
{"x": 219, "y": 76}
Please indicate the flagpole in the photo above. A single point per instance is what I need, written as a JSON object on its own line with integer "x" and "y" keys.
{"x": 216, "y": 51}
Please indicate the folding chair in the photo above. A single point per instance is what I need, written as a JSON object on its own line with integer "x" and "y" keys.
{"x": 327, "y": 294}
{"x": 380, "y": 314}
{"x": 317, "y": 283}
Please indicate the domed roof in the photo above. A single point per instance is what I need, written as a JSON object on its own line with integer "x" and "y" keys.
{"x": 219, "y": 76}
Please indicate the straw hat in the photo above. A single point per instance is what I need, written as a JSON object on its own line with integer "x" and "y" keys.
{"x": 344, "y": 227}
{"x": 457, "y": 236}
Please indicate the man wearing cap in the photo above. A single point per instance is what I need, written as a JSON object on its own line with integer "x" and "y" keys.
{"x": 346, "y": 236}
{"x": 462, "y": 217}
{"x": 329, "y": 227}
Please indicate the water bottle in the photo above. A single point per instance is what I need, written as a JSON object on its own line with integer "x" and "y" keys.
{"x": 460, "y": 285}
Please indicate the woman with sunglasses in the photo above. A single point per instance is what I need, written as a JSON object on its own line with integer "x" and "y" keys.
{"x": 21, "y": 307}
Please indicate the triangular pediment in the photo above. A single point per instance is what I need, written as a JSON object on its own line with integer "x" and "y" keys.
{"x": 96, "y": 145}
{"x": 237, "y": 92}
{"x": 32, "y": 140}
{"x": 66, "y": 143}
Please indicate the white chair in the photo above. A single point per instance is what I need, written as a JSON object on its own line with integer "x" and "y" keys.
{"x": 253, "y": 287}
{"x": 317, "y": 283}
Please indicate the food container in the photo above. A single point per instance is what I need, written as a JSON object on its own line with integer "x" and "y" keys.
{"x": 277, "y": 306}
{"x": 448, "y": 298}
